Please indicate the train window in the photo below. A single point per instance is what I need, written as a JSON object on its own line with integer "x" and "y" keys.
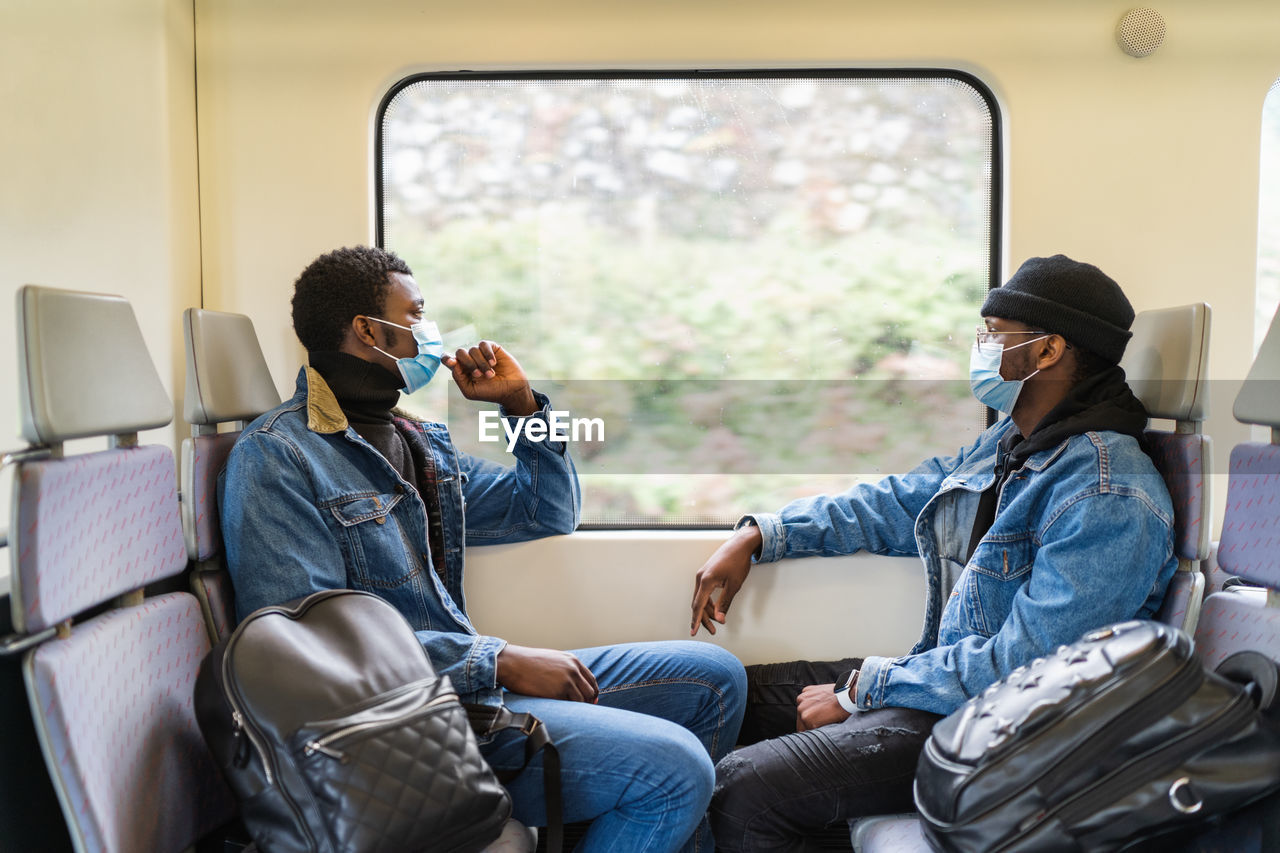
{"x": 736, "y": 287}
{"x": 1268, "y": 293}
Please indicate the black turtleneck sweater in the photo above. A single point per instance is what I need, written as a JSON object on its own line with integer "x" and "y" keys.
{"x": 367, "y": 392}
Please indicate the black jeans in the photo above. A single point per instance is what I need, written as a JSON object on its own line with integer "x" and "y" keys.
{"x": 775, "y": 793}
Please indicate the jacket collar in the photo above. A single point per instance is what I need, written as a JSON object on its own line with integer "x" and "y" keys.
{"x": 324, "y": 415}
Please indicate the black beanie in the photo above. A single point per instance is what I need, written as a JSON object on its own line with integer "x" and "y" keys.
{"x": 1068, "y": 298}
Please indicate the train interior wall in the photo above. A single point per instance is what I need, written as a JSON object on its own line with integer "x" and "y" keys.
{"x": 184, "y": 153}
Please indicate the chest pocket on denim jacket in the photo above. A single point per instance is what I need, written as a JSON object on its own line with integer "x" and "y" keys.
{"x": 991, "y": 580}
{"x": 371, "y": 541}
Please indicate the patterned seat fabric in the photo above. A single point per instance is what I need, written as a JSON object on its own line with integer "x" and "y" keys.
{"x": 217, "y": 601}
{"x": 1245, "y": 619}
{"x": 91, "y": 527}
{"x": 1232, "y": 623}
{"x": 203, "y": 457}
{"x": 1250, "y": 548}
{"x": 1182, "y": 460}
{"x": 1215, "y": 575}
{"x": 1250, "y": 544}
{"x": 114, "y": 706}
{"x": 1182, "y": 600}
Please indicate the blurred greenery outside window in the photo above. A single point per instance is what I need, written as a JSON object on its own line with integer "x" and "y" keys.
{"x": 1268, "y": 292}
{"x": 764, "y": 285}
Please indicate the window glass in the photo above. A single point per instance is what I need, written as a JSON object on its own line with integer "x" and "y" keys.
{"x": 757, "y": 286}
{"x": 1268, "y": 293}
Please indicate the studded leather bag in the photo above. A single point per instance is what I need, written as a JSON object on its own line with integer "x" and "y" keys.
{"x": 1120, "y": 736}
{"x": 337, "y": 736}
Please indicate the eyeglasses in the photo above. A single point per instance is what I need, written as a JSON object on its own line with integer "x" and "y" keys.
{"x": 985, "y": 335}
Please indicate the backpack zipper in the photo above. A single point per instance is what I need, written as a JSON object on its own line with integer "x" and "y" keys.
{"x": 1176, "y": 689}
{"x": 323, "y": 745}
{"x": 245, "y": 725}
{"x": 1173, "y": 688}
{"x": 243, "y": 728}
{"x": 1156, "y": 762}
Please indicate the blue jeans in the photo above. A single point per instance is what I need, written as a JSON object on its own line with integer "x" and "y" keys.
{"x": 639, "y": 764}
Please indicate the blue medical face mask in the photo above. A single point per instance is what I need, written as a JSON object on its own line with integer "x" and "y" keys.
{"x": 985, "y": 380}
{"x": 419, "y": 370}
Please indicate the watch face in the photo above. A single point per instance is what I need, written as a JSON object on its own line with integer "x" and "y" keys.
{"x": 843, "y": 681}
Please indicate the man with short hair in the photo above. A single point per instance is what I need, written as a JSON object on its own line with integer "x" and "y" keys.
{"x": 1052, "y": 523}
{"x": 335, "y": 489}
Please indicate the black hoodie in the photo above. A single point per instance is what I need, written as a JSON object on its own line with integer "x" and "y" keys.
{"x": 1102, "y": 402}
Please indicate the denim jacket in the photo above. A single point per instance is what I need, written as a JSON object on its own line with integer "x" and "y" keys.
{"x": 307, "y": 504}
{"x": 1082, "y": 537}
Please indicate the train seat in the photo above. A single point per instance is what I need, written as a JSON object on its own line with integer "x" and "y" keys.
{"x": 1250, "y": 550}
{"x": 1250, "y": 544}
{"x": 227, "y": 382}
{"x": 1166, "y": 364}
{"x": 109, "y": 674}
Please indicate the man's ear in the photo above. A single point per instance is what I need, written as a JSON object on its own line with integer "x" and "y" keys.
{"x": 1050, "y": 351}
{"x": 358, "y": 337}
{"x": 361, "y": 331}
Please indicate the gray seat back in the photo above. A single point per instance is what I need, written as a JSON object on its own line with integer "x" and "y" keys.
{"x": 1250, "y": 543}
{"x": 227, "y": 375}
{"x": 1249, "y": 619}
{"x": 227, "y": 382}
{"x": 110, "y": 695}
{"x": 1166, "y": 363}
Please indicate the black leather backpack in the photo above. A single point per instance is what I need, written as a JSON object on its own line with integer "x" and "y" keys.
{"x": 337, "y": 735}
{"x": 1117, "y": 737}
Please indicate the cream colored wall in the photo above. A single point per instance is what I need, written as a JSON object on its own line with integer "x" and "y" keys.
{"x": 1146, "y": 167}
{"x": 98, "y": 169}
{"x": 600, "y": 587}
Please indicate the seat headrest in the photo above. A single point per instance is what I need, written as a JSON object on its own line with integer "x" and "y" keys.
{"x": 227, "y": 375}
{"x": 83, "y": 368}
{"x": 1166, "y": 361}
{"x": 1259, "y": 399}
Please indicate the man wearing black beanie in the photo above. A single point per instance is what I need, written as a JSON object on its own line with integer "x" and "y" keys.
{"x": 1052, "y": 523}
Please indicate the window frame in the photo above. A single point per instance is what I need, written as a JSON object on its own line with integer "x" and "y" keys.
{"x": 995, "y": 207}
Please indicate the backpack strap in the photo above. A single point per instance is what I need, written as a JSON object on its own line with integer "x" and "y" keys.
{"x": 1258, "y": 673}
{"x": 487, "y": 720}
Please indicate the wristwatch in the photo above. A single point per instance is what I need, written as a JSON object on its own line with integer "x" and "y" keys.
{"x": 845, "y": 688}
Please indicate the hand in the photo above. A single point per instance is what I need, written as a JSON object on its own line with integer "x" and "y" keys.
{"x": 546, "y": 673}
{"x": 817, "y": 706}
{"x": 727, "y": 571}
{"x": 488, "y": 373}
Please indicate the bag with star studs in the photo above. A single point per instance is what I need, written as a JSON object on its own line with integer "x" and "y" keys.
{"x": 1116, "y": 738}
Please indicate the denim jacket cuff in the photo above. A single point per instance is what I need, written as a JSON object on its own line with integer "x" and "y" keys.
{"x": 543, "y": 414}
{"x": 872, "y": 678}
{"x": 773, "y": 538}
{"x": 482, "y": 664}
